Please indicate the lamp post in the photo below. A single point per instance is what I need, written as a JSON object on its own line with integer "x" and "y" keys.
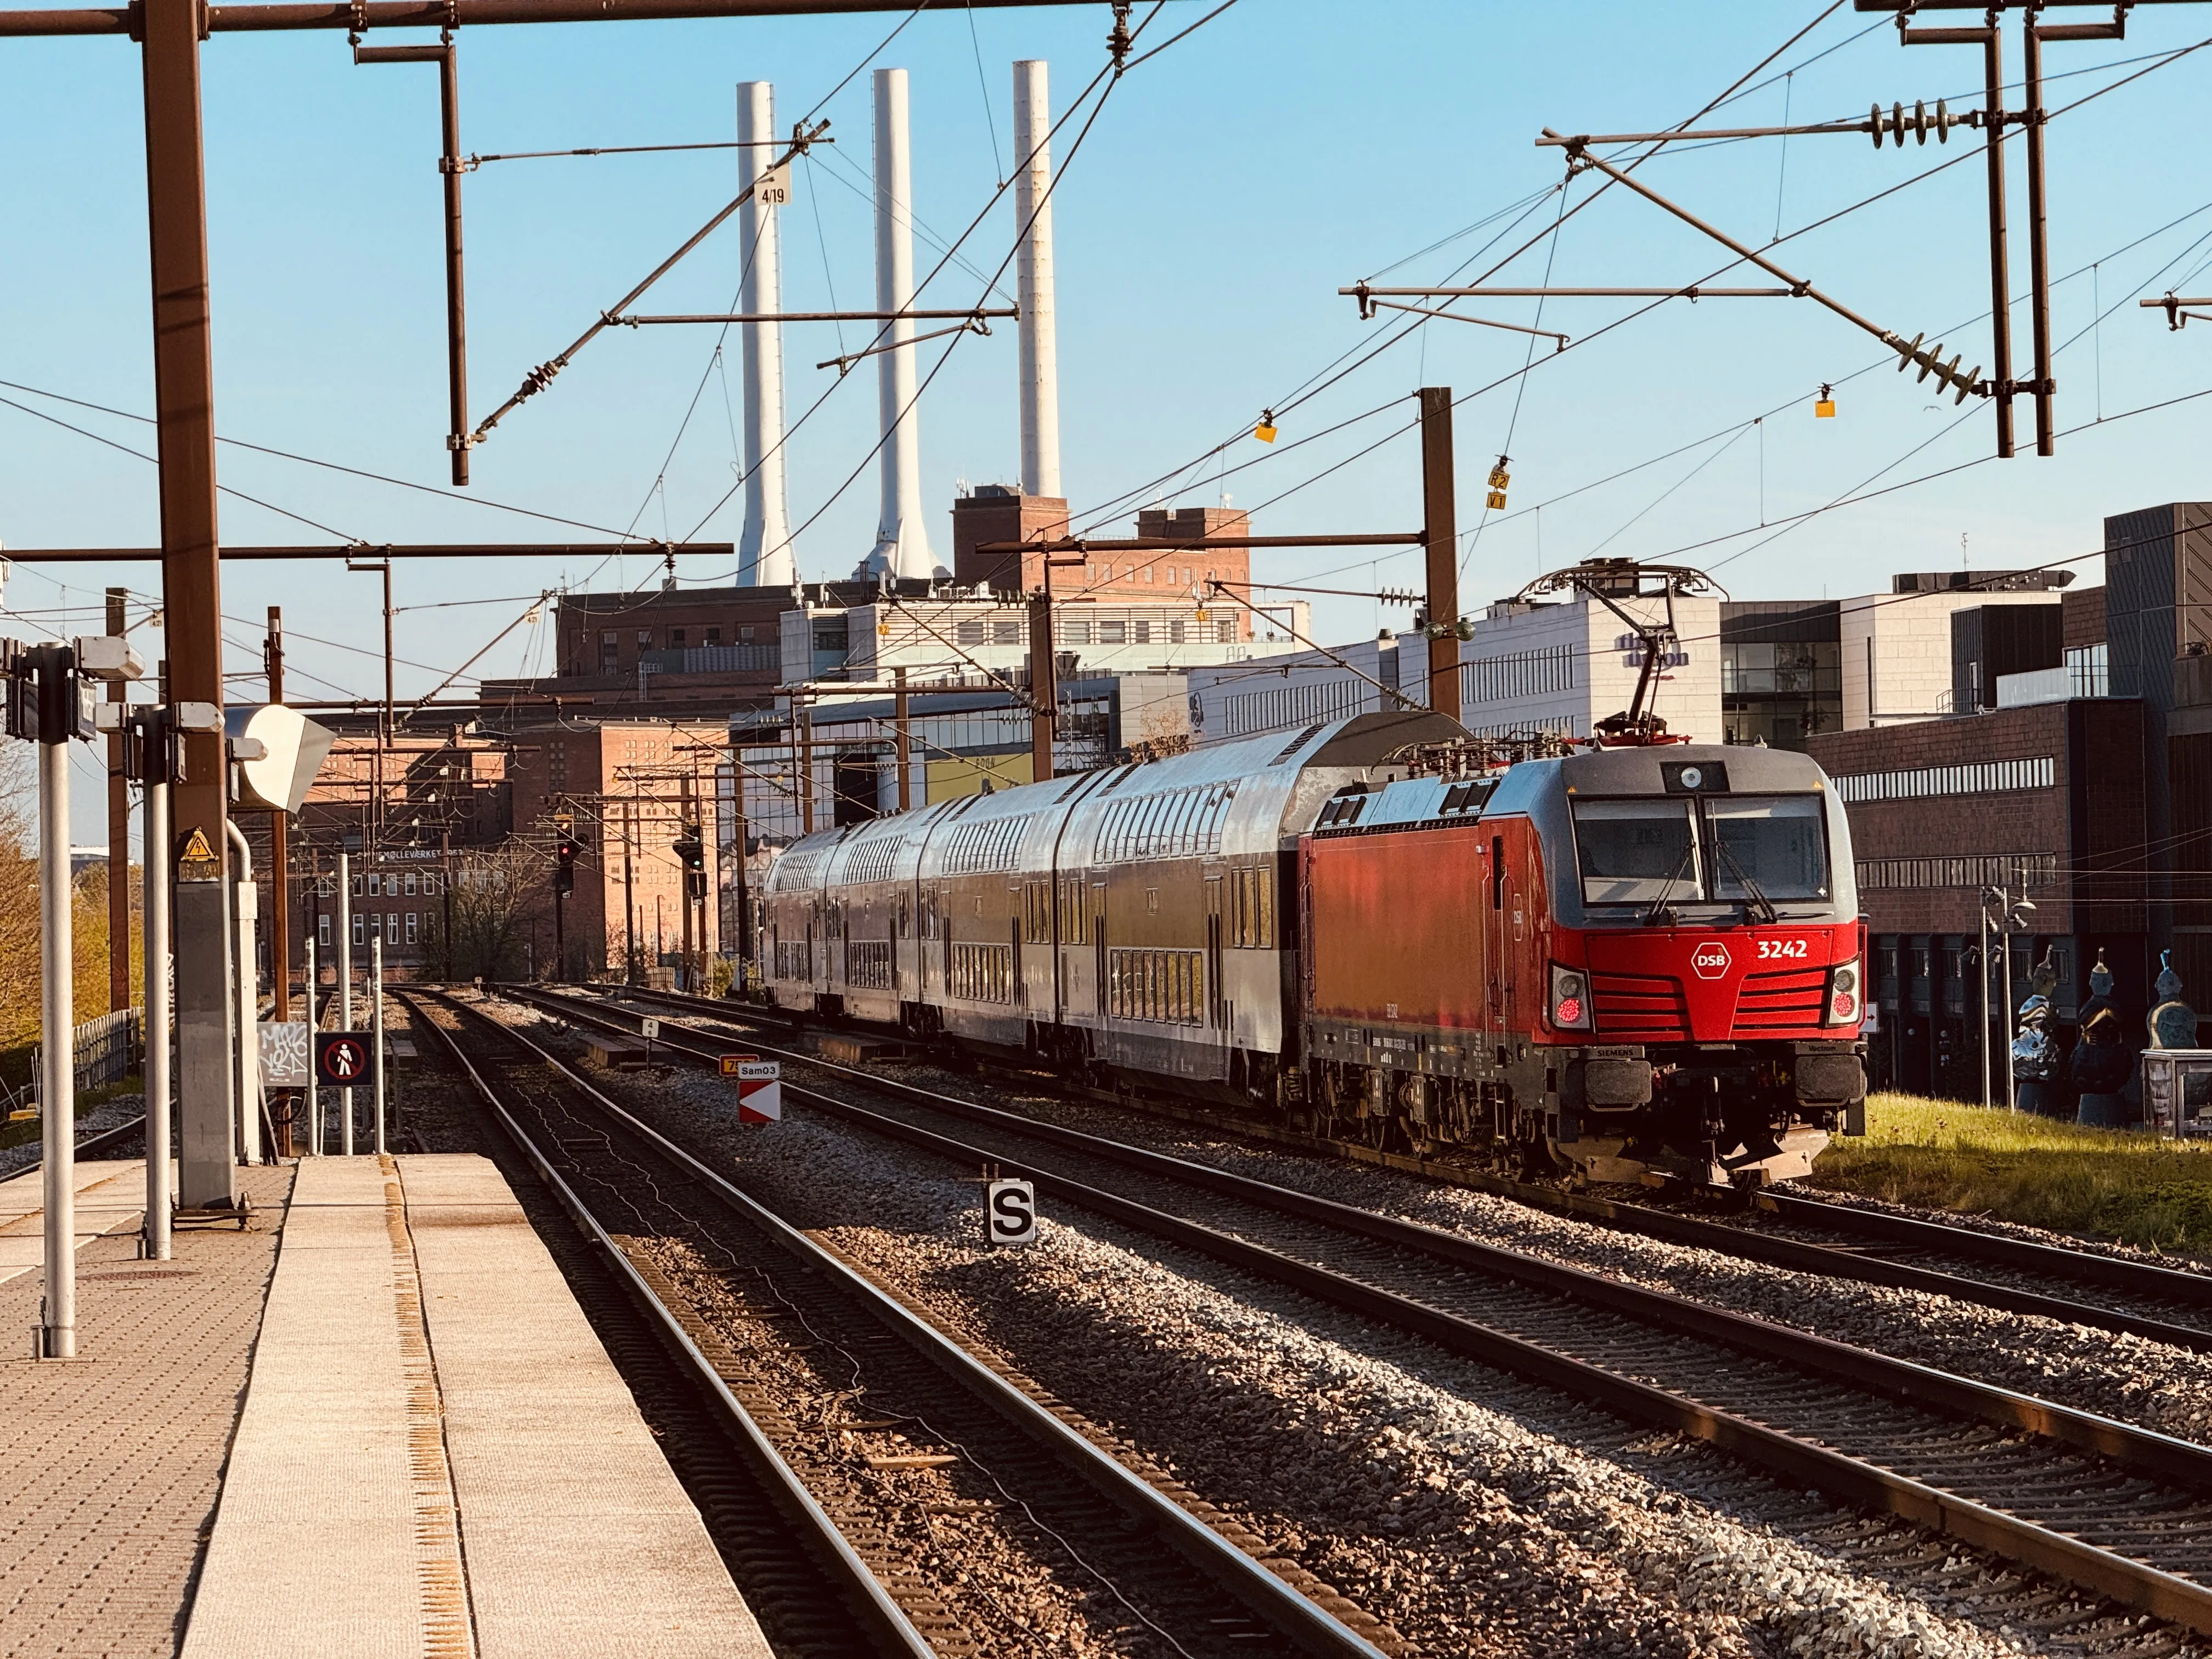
{"x": 50, "y": 701}
{"x": 2002, "y": 915}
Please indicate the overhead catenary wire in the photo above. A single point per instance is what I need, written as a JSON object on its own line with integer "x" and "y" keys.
{"x": 2153, "y": 63}
{"x": 1828, "y": 11}
{"x": 1108, "y": 78}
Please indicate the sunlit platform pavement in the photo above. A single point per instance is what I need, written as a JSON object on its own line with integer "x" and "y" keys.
{"x": 375, "y": 1423}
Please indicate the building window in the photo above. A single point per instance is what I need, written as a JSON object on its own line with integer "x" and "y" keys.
{"x": 360, "y": 885}
{"x": 1971, "y": 870}
{"x": 375, "y": 883}
{"x": 610, "y": 651}
{"x": 1074, "y": 632}
{"x": 360, "y": 929}
{"x": 745, "y": 635}
{"x": 411, "y": 926}
{"x": 713, "y": 637}
{"x": 1113, "y": 633}
{"x": 1225, "y": 631}
{"x": 971, "y": 631}
{"x": 1144, "y": 632}
{"x": 644, "y": 638}
{"x": 1148, "y": 574}
{"x": 1175, "y": 633}
{"x": 411, "y": 884}
{"x": 1981, "y": 778}
{"x": 323, "y": 931}
{"x": 2088, "y": 672}
{"x": 675, "y": 639}
{"x": 1005, "y": 633}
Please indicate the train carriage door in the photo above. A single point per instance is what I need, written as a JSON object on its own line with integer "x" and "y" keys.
{"x": 1213, "y": 926}
{"x": 1098, "y": 948}
{"x": 1494, "y": 936}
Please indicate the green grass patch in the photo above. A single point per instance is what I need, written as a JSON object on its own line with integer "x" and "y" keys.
{"x": 2110, "y": 1184}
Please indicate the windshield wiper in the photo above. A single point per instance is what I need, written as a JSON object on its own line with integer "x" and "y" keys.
{"x": 1766, "y": 911}
{"x": 1660, "y": 905}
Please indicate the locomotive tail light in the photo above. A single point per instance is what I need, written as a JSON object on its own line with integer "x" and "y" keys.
{"x": 1570, "y": 1003}
{"x": 1843, "y": 1006}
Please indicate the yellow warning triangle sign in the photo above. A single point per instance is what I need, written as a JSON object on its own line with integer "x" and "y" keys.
{"x": 198, "y": 846}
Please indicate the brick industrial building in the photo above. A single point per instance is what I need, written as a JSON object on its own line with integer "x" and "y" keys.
{"x": 2075, "y": 749}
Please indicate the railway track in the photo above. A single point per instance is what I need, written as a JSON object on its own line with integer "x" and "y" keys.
{"x": 2116, "y": 1510}
{"x": 1176, "y": 1578}
{"x": 91, "y": 1146}
{"x": 2014, "y": 1275}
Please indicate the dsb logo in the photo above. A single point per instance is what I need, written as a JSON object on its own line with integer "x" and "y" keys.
{"x": 1710, "y": 960}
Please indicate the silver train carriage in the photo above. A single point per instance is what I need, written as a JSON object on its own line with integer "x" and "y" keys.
{"x": 1140, "y": 917}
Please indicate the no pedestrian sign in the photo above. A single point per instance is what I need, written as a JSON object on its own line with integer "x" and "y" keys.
{"x": 344, "y": 1060}
{"x": 760, "y": 1087}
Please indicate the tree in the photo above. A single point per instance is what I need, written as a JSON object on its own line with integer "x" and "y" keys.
{"x": 19, "y": 898}
{"x": 20, "y": 962}
{"x": 495, "y": 901}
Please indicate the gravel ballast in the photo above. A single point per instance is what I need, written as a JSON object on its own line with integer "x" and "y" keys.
{"x": 1474, "y": 1513}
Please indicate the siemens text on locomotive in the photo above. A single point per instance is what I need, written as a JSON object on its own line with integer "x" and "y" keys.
{"x": 1641, "y": 963}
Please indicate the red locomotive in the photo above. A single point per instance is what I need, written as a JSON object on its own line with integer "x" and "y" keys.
{"x": 1645, "y": 959}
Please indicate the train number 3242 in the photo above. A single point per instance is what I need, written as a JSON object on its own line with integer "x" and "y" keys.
{"x": 1771, "y": 949}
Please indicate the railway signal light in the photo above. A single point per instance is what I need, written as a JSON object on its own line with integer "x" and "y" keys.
{"x": 1824, "y": 409}
{"x": 1265, "y": 432}
{"x": 692, "y": 853}
{"x": 1499, "y": 479}
{"x": 564, "y": 865}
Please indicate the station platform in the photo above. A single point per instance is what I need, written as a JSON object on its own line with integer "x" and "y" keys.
{"x": 374, "y": 1423}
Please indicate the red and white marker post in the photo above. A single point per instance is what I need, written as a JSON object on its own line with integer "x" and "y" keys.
{"x": 760, "y": 1087}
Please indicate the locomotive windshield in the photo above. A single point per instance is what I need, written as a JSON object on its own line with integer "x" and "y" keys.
{"x": 1777, "y": 847}
{"x": 1728, "y": 849}
{"x": 1633, "y": 851}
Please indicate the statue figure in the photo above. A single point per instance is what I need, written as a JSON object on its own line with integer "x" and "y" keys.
{"x": 2174, "y": 1022}
{"x": 2042, "y": 978}
{"x": 2100, "y": 990}
{"x": 2034, "y": 1059}
{"x": 2102, "y": 1063}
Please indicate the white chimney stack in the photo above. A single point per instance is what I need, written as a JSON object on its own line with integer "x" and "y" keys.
{"x": 764, "y": 556}
{"x": 903, "y": 540}
{"x": 1039, "y": 348}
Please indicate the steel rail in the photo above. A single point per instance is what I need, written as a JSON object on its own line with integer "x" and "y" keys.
{"x": 1902, "y": 1379}
{"x": 2076, "y": 1267}
{"x": 2134, "y": 1583}
{"x": 2112, "y": 1273}
{"x": 1307, "y": 1626}
{"x": 866, "y": 1596}
{"x": 85, "y": 1148}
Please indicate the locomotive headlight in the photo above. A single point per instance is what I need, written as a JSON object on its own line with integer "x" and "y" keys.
{"x": 1843, "y": 1006}
{"x": 1570, "y": 1002}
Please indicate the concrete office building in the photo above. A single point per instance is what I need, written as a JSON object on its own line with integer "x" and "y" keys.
{"x": 2075, "y": 750}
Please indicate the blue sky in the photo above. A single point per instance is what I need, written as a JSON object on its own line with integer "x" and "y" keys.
{"x": 1228, "y": 188}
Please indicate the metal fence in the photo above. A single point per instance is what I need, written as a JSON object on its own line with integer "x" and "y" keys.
{"x": 108, "y": 1049}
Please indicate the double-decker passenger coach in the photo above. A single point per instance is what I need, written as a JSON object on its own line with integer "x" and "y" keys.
{"x": 1637, "y": 963}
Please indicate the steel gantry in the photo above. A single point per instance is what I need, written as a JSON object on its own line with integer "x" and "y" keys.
{"x": 169, "y": 34}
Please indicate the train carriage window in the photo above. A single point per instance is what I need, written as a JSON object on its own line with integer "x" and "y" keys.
{"x": 1637, "y": 852}
{"x": 1777, "y": 847}
{"x": 1263, "y": 887}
